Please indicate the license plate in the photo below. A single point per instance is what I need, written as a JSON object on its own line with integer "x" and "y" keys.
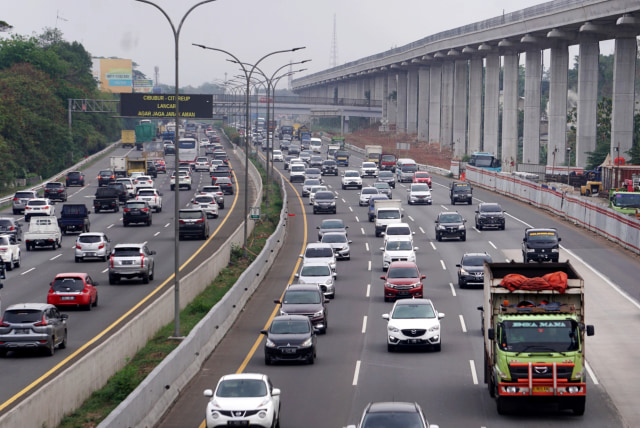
{"x": 289, "y": 350}
{"x": 22, "y": 331}
{"x": 540, "y": 389}
{"x": 90, "y": 254}
{"x": 127, "y": 262}
{"x": 67, "y": 298}
{"x": 238, "y": 423}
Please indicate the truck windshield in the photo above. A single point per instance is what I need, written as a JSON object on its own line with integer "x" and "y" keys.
{"x": 539, "y": 336}
{"x": 385, "y": 215}
{"x": 626, "y": 200}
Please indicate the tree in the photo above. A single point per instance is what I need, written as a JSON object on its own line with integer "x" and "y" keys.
{"x": 603, "y": 134}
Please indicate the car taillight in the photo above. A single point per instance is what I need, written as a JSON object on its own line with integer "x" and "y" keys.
{"x": 181, "y": 222}
{"x": 27, "y": 207}
{"x": 78, "y": 246}
{"x": 101, "y": 246}
{"x": 15, "y": 199}
{"x": 127, "y": 210}
{"x": 41, "y": 322}
{"x": 45, "y": 207}
{"x": 3, "y": 324}
{"x": 145, "y": 209}
{"x": 113, "y": 177}
{"x": 141, "y": 260}
{"x": 111, "y": 261}
{"x": 12, "y": 228}
{"x": 201, "y": 220}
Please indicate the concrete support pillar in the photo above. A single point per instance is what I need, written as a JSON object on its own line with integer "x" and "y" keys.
{"x": 353, "y": 88}
{"x": 475, "y": 105}
{"x": 401, "y": 112}
{"x": 623, "y": 102}
{"x": 532, "y": 80}
{"x": 509, "y": 155}
{"x": 558, "y": 105}
{"x": 435, "y": 83}
{"x": 392, "y": 106}
{"x": 376, "y": 93}
{"x": 460, "y": 108}
{"x": 423, "y": 103}
{"x": 491, "y": 104}
{"x": 366, "y": 89}
{"x": 385, "y": 98}
{"x": 412, "y": 101}
{"x": 588, "y": 56}
{"x": 446, "y": 118}
{"x": 359, "y": 95}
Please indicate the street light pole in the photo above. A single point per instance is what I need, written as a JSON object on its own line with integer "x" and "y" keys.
{"x": 176, "y": 206}
{"x": 246, "y": 136}
{"x": 568, "y": 163}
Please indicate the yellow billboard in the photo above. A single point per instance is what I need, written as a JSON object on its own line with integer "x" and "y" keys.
{"x": 116, "y": 75}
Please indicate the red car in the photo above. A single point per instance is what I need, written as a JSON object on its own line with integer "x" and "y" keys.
{"x": 161, "y": 166}
{"x": 73, "y": 289}
{"x": 422, "y": 177}
{"x": 403, "y": 279}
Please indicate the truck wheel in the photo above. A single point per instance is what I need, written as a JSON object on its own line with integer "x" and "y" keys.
{"x": 579, "y": 406}
{"x": 502, "y": 405}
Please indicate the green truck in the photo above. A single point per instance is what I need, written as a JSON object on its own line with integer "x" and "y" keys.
{"x": 145, "y": 132}
{"x": 534, "y": 335}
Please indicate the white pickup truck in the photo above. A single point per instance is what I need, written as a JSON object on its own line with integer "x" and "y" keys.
{"x": 152, "y": 197}
{"x": 43, "y": 232}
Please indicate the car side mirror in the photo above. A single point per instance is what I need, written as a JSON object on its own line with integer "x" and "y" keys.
{"x": 64, "y": 316}
{"x": 350, "y": 241}
{"x": 318, "y": 227}
{"x": 263, "y": 332}
{"x": 559, "y": 239}
{"x": 96, "y": 283}
{"x": 491, "y": 334}
{"x": 440, "y": 315}
{"x": 208, "y": 393}
{"x": 408, "y": 190}
{"x": 413, "y": 233}
{"x": 458, "y": 265}
{"x": 385, "y": 317}
{"x": 152, "y": 253}
{"x": 297, "y": 275}
{"x": 275, "y": 391}
{"x": 382, "y": 277}
{"x": 524, "y": 239}
{"x": 301, "y": 256}
{"x": 590, "y": 330}
{"x": 477, "y": 212}
{"x": 423, "y": 276}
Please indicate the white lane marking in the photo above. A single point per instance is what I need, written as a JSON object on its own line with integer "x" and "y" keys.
{"x": 411, "y": 218}
{"x": 355, "y": 375}
{"x": 357, "y": 219}
{"x": 462, "y": 324}
{"x": 343, "y": 201}
{"x": 350, "y": 209}
{"x": 491, "y": 243}
{"x": 362, "y": 229}
{"x": 592, "y": 375}
{"x": 443, "y": 265}
{"x": 453, "y": 290}
{"x": 105, "y": 271}
{"x": 364, "y": 325}
{"x": 110, "y": 226}
{"x": 156, "y": 234}
{"x": 433, "y": 245}
{"x": 473, "y": 372}
{"x": 366, "y": 245}
{"x": 445, "y": 208}
{"x": 167, "y": 225}
{"x": 422, "y": 230}
{"x": 368, "y": 290}
{"x": 369, "y": 268}
{"x": 55, "y": 257}
{"x": 477, "y": 230}
{"x": 27, "y": 271}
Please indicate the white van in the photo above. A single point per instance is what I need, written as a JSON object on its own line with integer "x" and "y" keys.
{"x": 315, "y": 144}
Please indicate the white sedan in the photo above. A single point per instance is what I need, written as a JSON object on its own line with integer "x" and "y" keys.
{"x": 245, "y": 399}
{"x": 368, "y": 169}
{"x": 38, "y": 206}
{"x": 351, "y": 178}
{"x": 277, "y": 156}
{"x": 9, "y": 253}
{"x": 206, "y": 203}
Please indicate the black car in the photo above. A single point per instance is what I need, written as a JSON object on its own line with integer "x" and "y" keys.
{"x": 74, "y": 178}
{"x": 540, "y": 245}
{"x": 55, "y": 191}
{"x": 105, "y": 176}
{"x": 10, "y": 226}
{"x": 169, "y": 149}
{"x": 489, "y": 215}
{"x": 151, "y": 169}
{"x": 471, "y": 269}
{"x": 450, "y": 225}
{"x": 307, "y": 300}
{"x": 287, "y": 161}
{"x": 225, "y": 185}
{"x": 324, "y": 202}
{"x": 461, "y": 191}
{"x": 123, "y": 194}
{"x": 290, "y": 338}
{"x": 329, "y": 167}
{"x": 136, "y": 212}
{"x": 192, "y": 223}
{"x": 393, "y": 414}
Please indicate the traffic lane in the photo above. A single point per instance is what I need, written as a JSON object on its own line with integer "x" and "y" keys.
{"x": 228, "y": 357}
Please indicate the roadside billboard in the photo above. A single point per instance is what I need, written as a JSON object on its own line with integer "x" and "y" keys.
{"x": 116, "y": 75}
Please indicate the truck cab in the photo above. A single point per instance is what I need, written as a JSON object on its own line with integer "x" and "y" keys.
{"x": 540, "y": 245}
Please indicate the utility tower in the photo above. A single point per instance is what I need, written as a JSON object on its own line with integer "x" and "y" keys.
{"x": 334, "y": 44}
{"x": 156, "y": 75}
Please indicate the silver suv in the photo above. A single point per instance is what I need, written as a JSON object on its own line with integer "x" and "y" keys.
{"x": 21, "y": 198}
{"x": 131, "y": 261}
{"x": 33, "y": 326}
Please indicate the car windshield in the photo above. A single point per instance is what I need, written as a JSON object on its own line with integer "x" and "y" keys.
{"x": 297, "y": 168}
{"x": 539, "y": 335}
{"x": 68, "y": 284}
{"x": 4, "y": 241}
{"x": 332, "y": 224}
{"x": 135, "y": 205}
{"x": 475, "y": 260}
{"x": 105, "y": 172}
{"x": 23, "y": 195}
{"x": 410, "y": 168}
{"x": 381, "y": 186}
{"x": 332, "y": 238}
{"x": 315, "y": 271}
{"x": 37, "y": 203}
{"x": 324, "y": 195}
{"x": 351, "y": 174}
{"x": 542, "y": 236}
{"x": 392, "y": 420}
{"x": 315, "y": 189}
{"x": 146, "y": 193}
{"x": 22, "y": 316}
{"x": 413, "y": 311}
{"x": 204, "y": 199}
{"x": 126, "y": 252}
{"x": 420, "y": 188}
{"x": 301, "y": 297}
{"x": 422, "y": 175}
{"x": 398, "y": 231}
{"x": 312, "y": 182}
{"x": 450, "y": 218}
{"x": 191, "y": 215}
{"x": 318, "y": 252}
{"x": 242, "y": 388}
{"x": 490, "y": 208}
{"x": 369, "y": 165}
{"x": 5, "y": 223}
{"x": 312, "y": 171}
{"x": 369, "y": 191}
{"x": 289, "y": 327}
{"x": 403, "y": 272}
{"x": 89, "y": 239}
{"x": 386, "y": 215}
{"x": 399, "y": 246}
{"x": 385, "y": 174}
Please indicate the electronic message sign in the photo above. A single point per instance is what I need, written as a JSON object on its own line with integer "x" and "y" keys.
{"x": 163, "y": 105}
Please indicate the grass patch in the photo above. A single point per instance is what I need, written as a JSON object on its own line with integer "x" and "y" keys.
{"x": 102, "y": 402}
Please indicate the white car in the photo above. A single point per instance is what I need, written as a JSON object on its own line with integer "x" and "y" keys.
{"x": 9, "y": 253}
{"x": 201, "y": 164}
{"x": 184, "y": 180}
{"x": 351, "y": 178}
{"x": 128, "y": 184}
{"x": 277, "y": 156}
{"x": 135, "y": 175}
{"x": 38, "y": 206}
{"x": 152, "y": 197}
{"x": 368, "y": 169}
{"x": 214, "y": 191}
{"x": 214, "y": 164}
{"x": 419, "y": 193}
{"x": 366, "y": 194}
{"x": 92, "y": 244}
{"x": 313, "y": 190}
{"x": 206, "y": 203}
{"x": 296, "y": 172}
{"x": 143, "y": 181}
{"x": 409, "y": 316}
{"x": 321, "y": 274}
{"x": 400, "y": 249}
{"x": 317, "y": 252}
{"x": 243, "y": 399}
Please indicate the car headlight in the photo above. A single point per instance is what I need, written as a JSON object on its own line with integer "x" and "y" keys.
{"x": 319, "y": 313}
{"x": 262, "y": 414}
{"x": 441, "y": 227}
{"x": 555, "y": 250}
{"x": 307, "y": 343}
{"x": 269, "y": 344}
{"x": 386, "y": 258}
{"x": 416, "y": 285}
{"x": 531, "y": 250}
{"x": 333, "y": 203}
{"x": 434, "y": 328}
{"x": 283, "y": 312}
{"x": 393, "y": 329}
{"x": 461, "y": 227}
{"x": 412, "y": 258}
{"x": 463, "y": 272}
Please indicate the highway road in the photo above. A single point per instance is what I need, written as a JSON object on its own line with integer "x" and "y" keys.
{"x": 23, "y": 373}
{"x": 353, "y": 366}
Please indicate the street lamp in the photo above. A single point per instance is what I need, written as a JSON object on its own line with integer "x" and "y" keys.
{"x": 568, "y": 163}
{"x": 246, "y": 134}
{"x": 176, "y": 207}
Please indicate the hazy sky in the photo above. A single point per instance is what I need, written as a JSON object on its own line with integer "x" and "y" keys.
{"x": 247, "y": 28}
